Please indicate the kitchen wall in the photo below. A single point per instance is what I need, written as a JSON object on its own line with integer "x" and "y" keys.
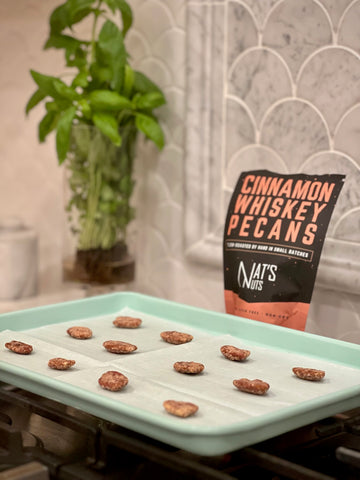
{"x": 271, "y": 84}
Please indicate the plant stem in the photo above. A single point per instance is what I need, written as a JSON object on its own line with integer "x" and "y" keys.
{"x": 93, "y": 32}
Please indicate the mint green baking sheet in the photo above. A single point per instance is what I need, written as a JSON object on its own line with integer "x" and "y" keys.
{"x": 227, "y": 419}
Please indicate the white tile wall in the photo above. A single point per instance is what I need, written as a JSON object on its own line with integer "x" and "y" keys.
{"x": 310, "y": 47}
{"x": 286, "y": 93}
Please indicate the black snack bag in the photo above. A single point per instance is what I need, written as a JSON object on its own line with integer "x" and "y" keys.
{"x": 273, "y": 238}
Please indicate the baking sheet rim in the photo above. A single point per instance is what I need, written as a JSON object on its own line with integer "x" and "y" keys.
{"x": 281, "y": 332}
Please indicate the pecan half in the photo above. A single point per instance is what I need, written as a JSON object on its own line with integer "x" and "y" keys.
{"x": 116, "y": 346}
{"x": 127, "y": 322}
{"x": 176, "y": 338}
{"x": 309, "y": 373}
{"x": 257, "y": 387}
{"x": 60, "y": 363}
{"x": 180, "y": 409}
{"x": 81, "y": 333}
{"x": 19, "y": 347}
{"x": 189, "y": 367}
{"x": 234, "y": 353}
{"x": 113, "y": 381}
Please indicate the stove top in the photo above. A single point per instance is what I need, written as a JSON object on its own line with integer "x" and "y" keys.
{"x": 41, "y": 439}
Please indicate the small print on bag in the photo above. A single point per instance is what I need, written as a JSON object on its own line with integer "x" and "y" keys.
{"x": 273, "y": 237}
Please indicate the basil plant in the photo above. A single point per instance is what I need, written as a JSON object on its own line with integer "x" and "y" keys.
{"x": 100, "y": 104}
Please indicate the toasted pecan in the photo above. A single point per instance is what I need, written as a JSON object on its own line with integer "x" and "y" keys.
{"x": 117, "y": 346}
{"x": 176, "y": 338}
{"x": 81, "y": 333}
{"x": 19, "y": 347}
{"x": 127, "y": 322}
{"x": 233, "y": 353}
{"x": 179, "y": 408}
{"x": 60, "y": 363}
{"x": 189, "y": 367}
{"x": 113, "y": 381}
{"x": 311, "y": 374}
{"x": 257, "y": 387}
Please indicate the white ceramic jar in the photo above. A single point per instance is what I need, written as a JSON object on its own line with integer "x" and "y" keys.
{"x": 18, "y": 260}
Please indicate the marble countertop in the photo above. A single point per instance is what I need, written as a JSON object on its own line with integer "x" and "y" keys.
{"x": 64, "y": 293}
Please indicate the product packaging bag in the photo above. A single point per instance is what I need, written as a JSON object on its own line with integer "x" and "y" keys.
{"x": 273, "y": 237}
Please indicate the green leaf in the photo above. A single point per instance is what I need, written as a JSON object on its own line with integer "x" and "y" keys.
{"x": 58, "y": 105}
{"x": 45, "y": 83}
{"x": 65, "y": 91}
{"x": 63, "y": 133}
{"x": 85, "y": 108}
{"x": 75, "y": 50}
{"x": 111, "y": 53}
{"x": 78, "y": 9}
{"x": 143, "y": 84}
{"x": 151, "y": 128}
{"x": 111, "y": 40}
{"x": 55, "y": 88}
{"x": 107, "y": 124}
{"x": 62, "y": 41}
{"x": 101, "y": 74}
{"x": 81, "y": 80}
{"x": 150, "y": 100}
{"x": 51, "y": 107}
{"x": 69, "y": 13}
{"x": 59, "y": 19}
{"x": 76, "y": 59}
{"x": 107, "y": 100}
{"x": 47, "y": 125}
{"x": 36, "y": 98}
{"x": 126, "y": 14}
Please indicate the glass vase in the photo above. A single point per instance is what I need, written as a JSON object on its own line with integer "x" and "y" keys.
{"x": 98, "y": 189}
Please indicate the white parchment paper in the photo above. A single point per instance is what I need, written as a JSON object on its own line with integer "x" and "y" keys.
{"x": 152, "y": 378}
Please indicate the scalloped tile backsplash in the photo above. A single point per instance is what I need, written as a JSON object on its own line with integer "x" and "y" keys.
{"x": 289, "y": 88}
